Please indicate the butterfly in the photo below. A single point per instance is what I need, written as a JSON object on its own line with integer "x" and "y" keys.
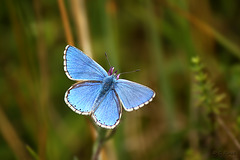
{"x": 98, "y": 93}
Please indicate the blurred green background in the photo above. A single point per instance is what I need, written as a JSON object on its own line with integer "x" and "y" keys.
{"x": 195, "y": 114}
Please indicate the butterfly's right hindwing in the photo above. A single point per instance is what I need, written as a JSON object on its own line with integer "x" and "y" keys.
{"x": 79, "y": 66}
{"x": 109, "y": 111}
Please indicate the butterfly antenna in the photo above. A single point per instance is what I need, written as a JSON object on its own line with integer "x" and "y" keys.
{"x": 107, "y": 59}
{"x": 137, "y": 70}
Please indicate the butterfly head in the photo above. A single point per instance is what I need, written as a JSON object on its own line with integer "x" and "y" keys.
{"x": 110, "y": 72}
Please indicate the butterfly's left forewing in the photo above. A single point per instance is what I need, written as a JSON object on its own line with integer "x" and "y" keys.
{"x": 133, "y": 95}
{"x": 79, "y": 66}
{"x": 108, "y": 113}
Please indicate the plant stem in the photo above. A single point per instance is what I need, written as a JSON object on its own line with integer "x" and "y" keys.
{"x": 229, "y": 133}
{"x": 102, "y": 137}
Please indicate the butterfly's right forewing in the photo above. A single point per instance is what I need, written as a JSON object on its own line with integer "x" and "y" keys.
{"x": 133, "y": 95}
{"x": 79, "y": 66}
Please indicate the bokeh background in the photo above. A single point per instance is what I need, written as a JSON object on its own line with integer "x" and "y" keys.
{"x": 188, "y": 52}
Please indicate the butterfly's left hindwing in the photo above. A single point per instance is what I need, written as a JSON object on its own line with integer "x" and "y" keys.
{"x": 81, "y": 96}
{"x": 133, "y": 95}
{"x": 79, "y": 66}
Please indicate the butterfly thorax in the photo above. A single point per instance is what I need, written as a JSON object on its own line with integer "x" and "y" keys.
{"x": 107, "y": 83}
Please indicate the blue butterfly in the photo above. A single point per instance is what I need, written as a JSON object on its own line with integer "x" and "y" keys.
{"x": 98, "y": 93}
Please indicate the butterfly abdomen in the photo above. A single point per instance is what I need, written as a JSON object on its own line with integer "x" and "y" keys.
{"x": 107, "y": 86}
